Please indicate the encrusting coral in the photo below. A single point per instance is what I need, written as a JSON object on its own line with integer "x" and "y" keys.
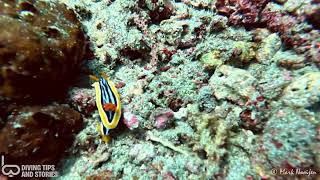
{"x": 225, "y": 89}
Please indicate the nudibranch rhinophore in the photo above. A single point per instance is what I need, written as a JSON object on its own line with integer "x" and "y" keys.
{"x": 108, "y": 104}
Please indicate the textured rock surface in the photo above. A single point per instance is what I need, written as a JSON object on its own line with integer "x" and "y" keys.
{"x": 39, "y": 135}
{"x": 304, "y": 91}
{"x": 292, "y": 146}
{"x": 234, "y": 74}
{"x": 41, "y": 47}
{"x": 233, "y": 84}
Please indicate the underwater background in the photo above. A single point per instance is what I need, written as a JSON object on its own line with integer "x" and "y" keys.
{"x": 209, "y": 89}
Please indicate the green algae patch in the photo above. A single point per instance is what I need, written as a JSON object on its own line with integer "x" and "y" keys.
{"x": 244, "y": 51}
{"x": 211, "y": 59}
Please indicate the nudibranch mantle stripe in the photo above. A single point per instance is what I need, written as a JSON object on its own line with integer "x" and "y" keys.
{"x": 106, "y": 93}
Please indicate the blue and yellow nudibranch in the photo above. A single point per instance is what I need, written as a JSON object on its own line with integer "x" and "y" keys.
{"x": 108, "y": 104}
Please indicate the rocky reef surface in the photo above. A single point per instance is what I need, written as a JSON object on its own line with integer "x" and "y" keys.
{"x": 42, "y": 46}
{"x": 210, "y": 89}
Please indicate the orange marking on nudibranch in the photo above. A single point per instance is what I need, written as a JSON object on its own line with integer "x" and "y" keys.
{"x": 104, "y": 75}
{"x": 109, "y": 107}
{"x": 94, "y": 78}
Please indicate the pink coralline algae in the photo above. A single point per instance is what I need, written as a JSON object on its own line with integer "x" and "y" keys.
{"x": 130, "y": 119}
{"x": 241, "y": 12}
{"x": 120, "y": 85}
{"x": 313, "y": 15}
{"x": 162, "y": 117}
{"x": 256, "y": 13}
{"x": 168, "y": 176}
{"x": 292, "y": 29}
{"x": 83, "y": 100}
{"x": 277, "y": 22}
{"x": 287, "y": 76}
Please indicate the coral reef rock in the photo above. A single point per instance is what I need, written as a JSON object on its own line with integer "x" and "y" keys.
{"x": 303, "y": 92}
{"x": 210, "y": 89}
{"x": 41, "y": 47}
{"x": 39, "y": 135}
{"x": 288, "y": 138}
{"x": 232, "y": 83}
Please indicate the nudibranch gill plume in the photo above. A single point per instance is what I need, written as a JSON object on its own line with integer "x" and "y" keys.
{"x": 108, "y": 104}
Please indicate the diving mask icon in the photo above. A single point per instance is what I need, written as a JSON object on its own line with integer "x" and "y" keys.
{"x": 9, "y": 170}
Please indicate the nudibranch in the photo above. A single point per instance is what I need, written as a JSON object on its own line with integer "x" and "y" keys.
{"x": 108, "y": 104}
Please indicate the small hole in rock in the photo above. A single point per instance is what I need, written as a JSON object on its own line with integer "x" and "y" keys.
{"x": 27, "y": 6}
{"x": 132, "y": 54}
{"x": 42, "y": 119}
{"x": 202, "y": 154}
{"x": 51, "y": 32}
{"x": 220, "y": 74}
{"x": 83, "y": 13}
{"x": 99, "y": 26}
